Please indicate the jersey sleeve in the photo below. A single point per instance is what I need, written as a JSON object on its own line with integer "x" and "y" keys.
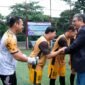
{"x": 44, "y": 47}
{"x": 11, "y": 45}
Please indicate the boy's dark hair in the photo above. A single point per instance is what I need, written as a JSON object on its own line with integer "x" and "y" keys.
{"x": 12, "y": 20}
{"x": 49, "y": 29}
{"x": 62, "y": 42}
{"x": 71, "y": 27}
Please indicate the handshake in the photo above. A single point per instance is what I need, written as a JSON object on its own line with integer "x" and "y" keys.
{"x": 32, "y": 60}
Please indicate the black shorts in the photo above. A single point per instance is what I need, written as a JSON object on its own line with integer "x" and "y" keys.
{"x": 9, "y": 79}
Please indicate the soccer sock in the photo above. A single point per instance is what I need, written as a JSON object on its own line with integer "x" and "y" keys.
{"x": 72, "y": 77}
{"x": 62, "y": 80}
{"x": 52, "y": 81}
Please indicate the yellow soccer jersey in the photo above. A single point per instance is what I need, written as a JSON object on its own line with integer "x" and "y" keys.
{"x": 8, "y": 47}
{"x": 60, "y": 57}
{"x": 57, "y": 65}
{"x": 41, "y": 48}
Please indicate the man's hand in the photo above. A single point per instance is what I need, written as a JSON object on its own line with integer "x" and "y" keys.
{"x": 33, "y": 60}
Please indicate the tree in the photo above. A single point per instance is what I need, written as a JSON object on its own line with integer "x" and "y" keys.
{"x": 32, "y": 11}
{"x": 3, "y": 26}
{"x": 64, "y": 21}
{"x": 1, "y": 17}
{"x": 78, "y": 5}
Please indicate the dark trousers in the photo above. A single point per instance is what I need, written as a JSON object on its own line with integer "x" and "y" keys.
{"x": 9, "y": 79}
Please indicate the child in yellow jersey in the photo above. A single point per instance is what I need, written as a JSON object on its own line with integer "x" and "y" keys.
{"x": 42, "y": 50}
{"x": 57, "y": 65}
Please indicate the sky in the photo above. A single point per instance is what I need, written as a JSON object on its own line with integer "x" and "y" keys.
{"x": 57, "y": 6}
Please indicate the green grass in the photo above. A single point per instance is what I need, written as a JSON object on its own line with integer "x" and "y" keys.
{"x": 22, "y": 73}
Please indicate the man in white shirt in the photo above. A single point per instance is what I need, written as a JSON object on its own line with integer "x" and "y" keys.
{"x": 10, "y": 53}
